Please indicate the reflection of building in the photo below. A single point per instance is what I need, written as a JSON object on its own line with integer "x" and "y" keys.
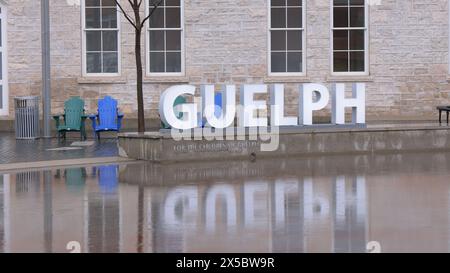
{"x": 293, "y": 215}
{"x": 282, "y": 213}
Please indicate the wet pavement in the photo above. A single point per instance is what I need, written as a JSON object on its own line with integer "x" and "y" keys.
{"x": 15, "y": 151}
{"x": 317, "y": 204}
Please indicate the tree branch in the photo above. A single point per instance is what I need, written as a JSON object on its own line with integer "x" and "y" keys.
{"x": 151, "y": 12}
{"x": 125, "y": 14}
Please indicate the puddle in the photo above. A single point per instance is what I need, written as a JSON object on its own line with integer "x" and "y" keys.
{"x": 322, "y": 204}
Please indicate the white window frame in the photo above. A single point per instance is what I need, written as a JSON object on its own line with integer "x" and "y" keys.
{"x": 366, "y": 42}
{"x": 269, "y": 44}
{"x": 83, "y": 42}
{"x": 147, "y": 44}
{"x": 4, "y": 111}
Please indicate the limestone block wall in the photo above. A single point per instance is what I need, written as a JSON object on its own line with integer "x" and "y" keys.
{"x": 226, "y": 43}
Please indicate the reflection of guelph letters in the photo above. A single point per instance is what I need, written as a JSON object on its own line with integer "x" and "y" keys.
{"x": 253, "y": 203}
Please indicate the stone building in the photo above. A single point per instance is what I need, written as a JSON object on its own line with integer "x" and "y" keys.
{"x": 399, "y": 48}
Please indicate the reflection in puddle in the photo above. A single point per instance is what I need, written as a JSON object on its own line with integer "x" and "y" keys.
{"x": 333, "y": 204}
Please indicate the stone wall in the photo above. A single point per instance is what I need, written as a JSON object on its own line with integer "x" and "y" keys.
{"x": 226, "y": 42}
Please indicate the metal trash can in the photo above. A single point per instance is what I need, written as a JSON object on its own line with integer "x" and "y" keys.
{"x": 27, "y": 117}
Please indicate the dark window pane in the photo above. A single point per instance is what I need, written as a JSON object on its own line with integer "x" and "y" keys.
{"x": 156, "y": 40}
{"x": 294, "y": 2}
{"x": 294, "y": 62}
{"x": 278, "y": 18}
{"x": 294, "y": 17}
{"x": 357, "y": 40}
{"x": 340, "y": 2}
{"x": 294, "y": 40}
{"x": 278, "y": 62}
{"x": 340, "y": 17}
{"x": 152, "y": 3}
{"x": 173, "y": 3}
{"x": 173, "y": 39}
{"x": 357, "y": 2}
{"x": 173, "y": 17}
{"x": 92, "y": 18}
{"x": 173, "y": 62}
{"x": 157, "y": 19}
{"x": 340, "y": 60}
{"x": 278, "y": 40}
{"x": 93, "y": 41}
{"x": 92, "y": 3}
{"x": 157, "y": 62}
{"x": 357, "y": 61}
{"x": 109, "y": 40}
{"x": 108, "y": 3}
{"x": 109, "y": 18}
{"x": 110, "y": 63}
{"x": 93, "y": 63}
{"x": 357, "y": 17}
{"x": 278, "y": 3}
{"x": 1, "y": 97}
{"x": 340, "y": 39}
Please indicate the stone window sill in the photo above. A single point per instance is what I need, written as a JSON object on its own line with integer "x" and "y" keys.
{"x": 349, "y": 78}
{"x": 102, "y": 80}
{"x": 175, "y": 79}
{"x": 286, "y": 79}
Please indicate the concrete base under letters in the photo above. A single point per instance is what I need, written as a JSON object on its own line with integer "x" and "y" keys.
{"x": 292, "y": 141}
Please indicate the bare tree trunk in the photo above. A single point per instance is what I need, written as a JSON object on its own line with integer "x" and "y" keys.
{"x": 139, "y": 88}
{"x": 138, "y": 25}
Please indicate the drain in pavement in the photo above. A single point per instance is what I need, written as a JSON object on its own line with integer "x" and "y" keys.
{"x": 82, "y": 143}
{"x": 65, "y": 149}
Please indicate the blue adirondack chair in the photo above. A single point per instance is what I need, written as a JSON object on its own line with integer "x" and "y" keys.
{"x": 218, "y": 105}
{"x": 217, "y": 108}
{"x": 108, "y": 117}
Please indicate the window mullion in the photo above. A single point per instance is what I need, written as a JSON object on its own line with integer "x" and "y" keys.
{"x": 286, "y": 31}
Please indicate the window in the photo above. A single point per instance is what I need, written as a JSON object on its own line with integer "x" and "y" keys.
{"x": 166, "y": 38}
{"x": 349, "y": 32}
{"x": 101, "y": 37}
{"x": 3, "y": 63}
{"x": 286, "y": 33}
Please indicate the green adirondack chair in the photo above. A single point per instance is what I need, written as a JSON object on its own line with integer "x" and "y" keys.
{"x": 73, "y": 118}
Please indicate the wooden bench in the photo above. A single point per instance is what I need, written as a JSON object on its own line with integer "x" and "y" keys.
{"x": 442, "y": 109}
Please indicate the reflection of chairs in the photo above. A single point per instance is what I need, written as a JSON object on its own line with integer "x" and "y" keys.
{"x": 180, "y": 100}
{"x": 75, "y": 179}
{"x": 107, "y": 178}
{"x": 108, "y": 117}
{"x": 73, "y": 118}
